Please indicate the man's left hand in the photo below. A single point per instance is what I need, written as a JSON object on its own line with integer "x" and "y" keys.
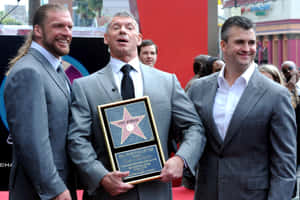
{"x": 173, "y": 169}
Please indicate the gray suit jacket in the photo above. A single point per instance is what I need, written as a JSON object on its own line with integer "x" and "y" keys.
{"x": 257, "y": 159}
{"x": 37, "y": 104}
{"x": 86, "y": 141}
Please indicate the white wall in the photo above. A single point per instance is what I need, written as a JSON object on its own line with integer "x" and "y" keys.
{"x": 280, "y": 10}
{"x": 110, "y": 7}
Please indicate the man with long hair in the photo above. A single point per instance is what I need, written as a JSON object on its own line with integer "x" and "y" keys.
{"x": 37, "y": 100}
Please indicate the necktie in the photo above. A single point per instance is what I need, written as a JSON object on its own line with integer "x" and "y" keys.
{"x": 127, "y": 88}
{"x": 63, "y": 77}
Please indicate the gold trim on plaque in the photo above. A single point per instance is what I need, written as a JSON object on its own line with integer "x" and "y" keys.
{"x": 113, "y": 150}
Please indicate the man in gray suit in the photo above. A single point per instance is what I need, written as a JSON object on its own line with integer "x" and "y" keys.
{"x": 37, "y": 100}
{"x": 86, "y": 140}
{"x": 250, "y": 126}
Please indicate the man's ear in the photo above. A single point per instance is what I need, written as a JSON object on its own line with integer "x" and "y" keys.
{"x": 140, "y": 39}
{"x": 105, "y": 39}
{"x": 223, "y": 44}
{"x": 37, "y": 31}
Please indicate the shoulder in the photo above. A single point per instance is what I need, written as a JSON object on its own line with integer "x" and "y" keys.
{"x": 85, "y": 80}
{"x": 27, "y": 62}
{"x": 271, "y": 86}
{"x": 27, "y": 66}
{"x": 202, "y": 81}
{"x": 156, "y": 73}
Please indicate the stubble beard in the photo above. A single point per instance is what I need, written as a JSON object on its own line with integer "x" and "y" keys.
{"x": 56, "y": 51}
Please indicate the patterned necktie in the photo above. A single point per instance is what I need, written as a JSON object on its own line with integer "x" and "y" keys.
{"x": 63, "y": 77}
{"x": 127, "y": 88}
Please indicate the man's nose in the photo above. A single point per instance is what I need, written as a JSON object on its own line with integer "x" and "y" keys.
{"x": 67, "y": 31}
{"x": 123, "y": 29}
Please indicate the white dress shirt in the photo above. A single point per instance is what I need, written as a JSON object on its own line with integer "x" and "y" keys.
{"x": 228, "y": 97}
{"x": 135, "y": 74}
{"x": 55, "y": 62}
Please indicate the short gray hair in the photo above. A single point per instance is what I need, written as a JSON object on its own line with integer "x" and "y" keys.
{"x": 123, "y": 14}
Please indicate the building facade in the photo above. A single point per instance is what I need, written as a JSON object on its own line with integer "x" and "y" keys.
{"x": 277, "y": 27}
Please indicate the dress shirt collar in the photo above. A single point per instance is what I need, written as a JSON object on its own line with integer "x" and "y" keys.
{"x": 245, "y": 77}
{"x": 52, "y": 59}
{"x": 117, "y": 64}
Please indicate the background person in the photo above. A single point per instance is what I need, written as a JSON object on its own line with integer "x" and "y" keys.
{"x": 37, "y": 100}
{"x": 147, "y": 52}
{"x": 291, "y": 75}
{"x": 199, "y": 68}
{"x": 215, "y": 64}
{"x": 271, "y": 72}
{"x": 204, "y": 65}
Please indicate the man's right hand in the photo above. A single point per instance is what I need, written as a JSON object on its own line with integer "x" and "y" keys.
{"x": 113, "y": 183}
{"x": 65, "y": 195}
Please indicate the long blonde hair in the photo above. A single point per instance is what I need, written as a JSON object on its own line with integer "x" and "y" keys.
{"x": 273, "y": 71}
{"x": 22, "y": 51}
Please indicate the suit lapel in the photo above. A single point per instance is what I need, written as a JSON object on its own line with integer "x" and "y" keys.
{"x": 107, "y": 82}
{"x": 52, "y": 73}
{"x": 146, "y": 75}
{"x": 251, "y": 95}
{"x": 210, "y": 94}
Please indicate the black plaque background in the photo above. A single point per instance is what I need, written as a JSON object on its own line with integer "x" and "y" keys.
{"x": 121, "y": 149}
{"x": 90, "y": 52}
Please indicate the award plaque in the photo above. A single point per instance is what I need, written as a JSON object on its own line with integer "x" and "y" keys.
{"x": 132, "y": 140}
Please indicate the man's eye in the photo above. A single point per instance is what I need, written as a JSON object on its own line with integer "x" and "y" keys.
{"x": 130, "y": 27}
{"x": 115, "y": 27}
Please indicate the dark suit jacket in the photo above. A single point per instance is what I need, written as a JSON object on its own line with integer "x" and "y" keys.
{"x": 257, "y": 159}
{"x": 37, "y": 104}
{"x": 87, "y": 146}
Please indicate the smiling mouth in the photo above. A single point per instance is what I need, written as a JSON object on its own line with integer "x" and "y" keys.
{"x": 245, "y": 55}
{"x": 64, "y": 42}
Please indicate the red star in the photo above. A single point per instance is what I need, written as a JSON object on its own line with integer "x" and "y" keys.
{"x": 129, "y": 125}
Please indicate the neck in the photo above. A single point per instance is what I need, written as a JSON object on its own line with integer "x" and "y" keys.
{"x": 231, "y": 73}
{"x": 125, "y": 59}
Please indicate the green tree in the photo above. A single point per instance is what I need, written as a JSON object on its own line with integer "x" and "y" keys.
{"x": 88, "y": 10}
{"x": 8, "y": 20}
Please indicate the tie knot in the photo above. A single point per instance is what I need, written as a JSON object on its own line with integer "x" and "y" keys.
{"x": 59, "y": 69}
{"x": 126, "y": 69}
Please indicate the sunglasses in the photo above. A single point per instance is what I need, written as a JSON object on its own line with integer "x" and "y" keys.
{"x": 285, "y": 70}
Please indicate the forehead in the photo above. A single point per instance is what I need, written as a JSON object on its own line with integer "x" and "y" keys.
{"x": 148, "y": 48}
{"x": 239, "y": 33}
{"x": 123, "y": 20}
{"x": 58, "y": 16}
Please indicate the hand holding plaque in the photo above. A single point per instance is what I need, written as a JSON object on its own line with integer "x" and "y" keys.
{"x": 132, "y": 140}
{"x": 113, "y": 183}
{"x": 173, "y": 169}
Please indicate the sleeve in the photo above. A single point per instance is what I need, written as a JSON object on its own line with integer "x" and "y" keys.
{"x": 80, "y": 147}
{"x": 284, "y": 147}
{"x": 187, "y": 119}
{"x": 26, "y": 107}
